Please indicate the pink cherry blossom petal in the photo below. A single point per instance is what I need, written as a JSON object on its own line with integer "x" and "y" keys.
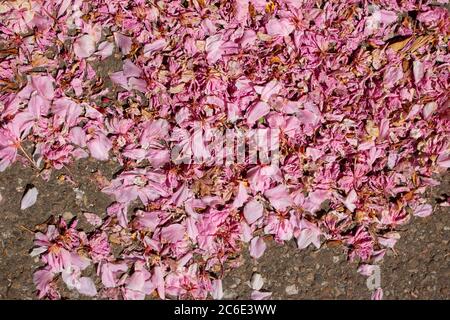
{"x": 253, "y": 210}
{"x": 423, "y": 210}
{"x": 84, "y": 46}
{"x": 257, "y": 247}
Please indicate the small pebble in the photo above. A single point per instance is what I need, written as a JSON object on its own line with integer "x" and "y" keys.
{"x": 291, "y": 290}
{"x": 229, "y": 294}
{"x": 67, "y": 215}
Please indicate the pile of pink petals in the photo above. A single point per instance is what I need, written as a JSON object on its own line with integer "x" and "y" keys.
{"x": 359, "y": 90}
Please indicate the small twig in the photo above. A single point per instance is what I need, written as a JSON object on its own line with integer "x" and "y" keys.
{"x": 28, "y": 157}
{"x": 27, "y": 229}
{"x": 70, "y": 172}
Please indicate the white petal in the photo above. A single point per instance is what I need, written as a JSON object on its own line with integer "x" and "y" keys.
{"x": 257, "y": 281}
{"x": 217, "y": 289}
{"x": 29, "y": 198}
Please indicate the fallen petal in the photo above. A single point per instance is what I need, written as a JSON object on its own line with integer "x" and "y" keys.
{"x": 29, "y": 198}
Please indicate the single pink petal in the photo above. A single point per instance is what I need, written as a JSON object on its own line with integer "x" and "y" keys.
{"x": 253, "y": 210}
{"x": 349, "y": 202}
{"x": 93, "y": 219}
{"x": 418, "y": 71}
{"x": 99, "y": 147}
{"x": 147, "y": 220}
{"x": 315, "y": 199}
{"x": 137, "y": 84}
{"x": 308, "y": 117}
{"x": 429, "y": 109}
{"x": 423, "y": 210}
{"x": 309, "y": 233}
{"x": 257, "y": 247}
{"x": 433, "y": 15}
{"x": 158, "y": 158}
{"x": 389, "y": 239}
{"x": 392, "y": 75}
{"x": 241, "y": 197}
{"x": 154, "y": 130}
{"x": 257, "y": 111}
{"x": 241, "y": 11}
{"x": 258, "y": 295}
{"x": 181, "y": 195}
{"x": 136, "y": 281}
{"x": 279, "y": 27}
{"x": 66, "y": 111}
{"x": 77, "y": 136}
{"x": 110, "y": 272}
{"x": 123, "y": 42}
{"x": 87, "y": 287}
{"x": 37, "y": 105}
{"x": 80, "y": 262}
{"x": 173, "y": 233}
{"x": 135, "y": 153}
{"x": 313, "y": 153}
{"x": 248, "y": 38}
{"x": 387, "y": 17}
{"x": 120, "y": 79}
{"x": 156, "y": 45}
{"x": 130, "y": 69}
{"x": 77, "y": 86}
{"x": 273, "y": 87}
{"x": 246, "y": 232}
{"x": 105, "y": 49}
{"x": 158, "y": 280}
{"x": 384, "y": 128}
{"x": 44, "y": 86}
{"x": 279, "y": 197}
{"x": 443, "y": 160}
{"x": 213, "y": 47}
{"x": 84, "y": 46}
{"x": 42, "y": 279}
